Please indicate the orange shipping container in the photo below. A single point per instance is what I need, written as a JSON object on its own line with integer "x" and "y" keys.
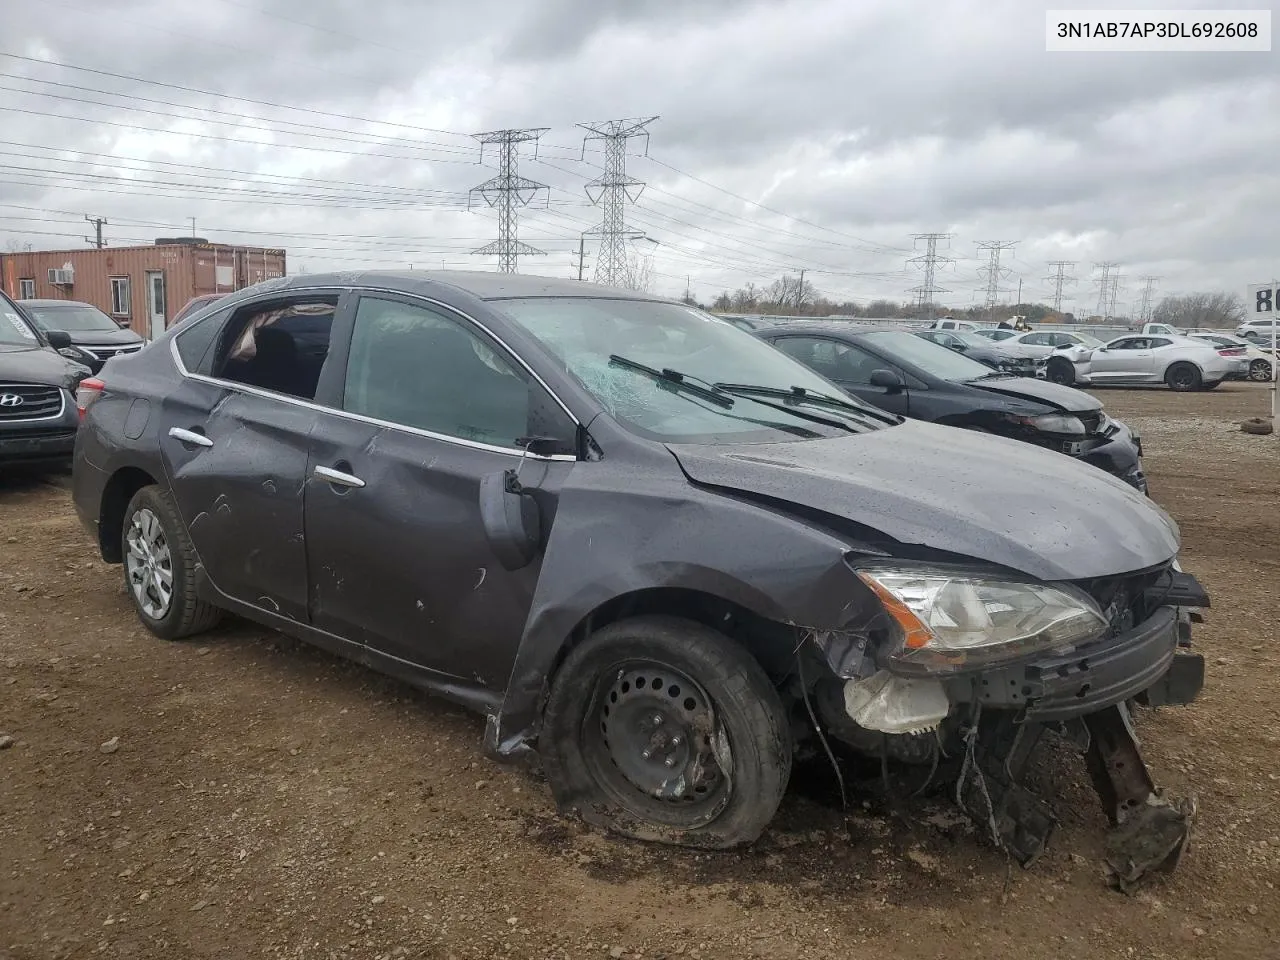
{"x": 144, "y": 286}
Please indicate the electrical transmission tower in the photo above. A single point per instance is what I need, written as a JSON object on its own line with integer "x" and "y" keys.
{"x": 1148, "y": 289}
{"x": 1059, "y": 278}
{"x": 930, "y": 260}
{"x": 1104, "y": 287}
{"x": 611, "y": 191}
{"x": 507, "y": 192}
{"x": 1115, "y": 292}
{"x": 993, "y": 272}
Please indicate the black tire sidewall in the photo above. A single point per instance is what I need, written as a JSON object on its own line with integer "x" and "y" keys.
{"x": 170, "y": 626}
{"x": 1064, "y": 367}
{"x": 745, "y": 703}
{"x": 1171, "y": 380}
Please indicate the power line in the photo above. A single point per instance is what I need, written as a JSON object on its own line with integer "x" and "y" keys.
{"x": 993, "y": 271}
{"x": 613, "y": 188}
{"x": 507, "y": 192}
{"x": 930, "y": 260}
{"x": 1060, "y": 278}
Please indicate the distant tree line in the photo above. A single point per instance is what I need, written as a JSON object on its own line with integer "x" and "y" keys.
{"x": 790, "y": 296}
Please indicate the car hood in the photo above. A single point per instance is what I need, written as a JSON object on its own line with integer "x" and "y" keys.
{"x": 103, "y": 338}
{"x": 39, "y": 365}
{"x": 1041, "y": 391}
{"x": 966, "y": 493}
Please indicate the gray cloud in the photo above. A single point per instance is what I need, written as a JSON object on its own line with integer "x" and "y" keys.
{"x": 868, "y": 122}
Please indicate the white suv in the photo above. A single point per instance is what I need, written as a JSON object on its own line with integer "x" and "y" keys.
{"x": 950, "y": 323}
{"x": 1258, "y": 328}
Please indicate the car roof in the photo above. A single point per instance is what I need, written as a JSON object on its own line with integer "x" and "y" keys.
{"x": 824, "y": 327}
{"x": 53, "y": 303}
{"x": 481, "y": 284}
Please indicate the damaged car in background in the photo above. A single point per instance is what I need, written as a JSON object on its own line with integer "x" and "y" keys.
{"x": 658, "y": 554}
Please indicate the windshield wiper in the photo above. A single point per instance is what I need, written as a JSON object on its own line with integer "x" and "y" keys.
{"x": 804, "y": 393}
{"x": 678, "y": 380}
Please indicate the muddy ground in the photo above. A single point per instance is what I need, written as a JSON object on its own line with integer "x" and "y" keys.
{"x": 258, "y": 798}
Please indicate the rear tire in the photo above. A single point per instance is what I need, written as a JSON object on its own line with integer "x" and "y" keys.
{"x": 1183, "y": 377}
{"x": 156, "y": 548}
{"x": 1259, "y": 371}
{"x": 700, "y": 758}
{"x": 1060, "y": 371}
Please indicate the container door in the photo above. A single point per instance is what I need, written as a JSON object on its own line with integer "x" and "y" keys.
{"x": 155, "y": 304}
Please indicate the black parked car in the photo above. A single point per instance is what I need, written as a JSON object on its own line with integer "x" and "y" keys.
{"x": 38, "y": 417}
{"x": 644, "y": 543}
{"x": 94, "y": 337}
{"x": 906, "y": 374}
{"x": 977, "y": 347}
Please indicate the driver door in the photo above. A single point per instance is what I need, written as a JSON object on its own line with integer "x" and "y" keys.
{"x": 1128, "y": 358}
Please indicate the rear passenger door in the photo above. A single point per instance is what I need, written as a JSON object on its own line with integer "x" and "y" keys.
{"x": 234, "y": 437}
{"x": 399, "y": 559}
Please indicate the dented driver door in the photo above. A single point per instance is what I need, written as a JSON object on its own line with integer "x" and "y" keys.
{"x": 399, "y": 557}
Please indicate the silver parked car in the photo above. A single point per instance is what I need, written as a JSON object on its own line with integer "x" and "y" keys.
{"x": 1041, "y": 343}
{"x": 1258, "y": 367}
{"x": 1183, "y": 363}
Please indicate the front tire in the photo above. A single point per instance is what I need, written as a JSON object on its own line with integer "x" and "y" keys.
{"x": 662, "y": 729}
{"x": 159, "y": 567}
{"x": 1183, "y": 377}
{"x": 1060, "y": 371}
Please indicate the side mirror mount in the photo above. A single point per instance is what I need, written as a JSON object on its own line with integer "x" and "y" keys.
{"x": 509, "y": 514}
{"x": 58, "y": 339}
{"x": 891, "y": 381}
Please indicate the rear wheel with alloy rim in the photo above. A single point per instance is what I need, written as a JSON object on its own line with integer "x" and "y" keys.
{"x": 159, "y": 567}
{"x": 1259, "y": 371}
{"x": 663, "y": 729}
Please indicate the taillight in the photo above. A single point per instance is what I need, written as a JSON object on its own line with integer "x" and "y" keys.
{"x": 89, "y": 390}
{"x": 1231, "y": 352}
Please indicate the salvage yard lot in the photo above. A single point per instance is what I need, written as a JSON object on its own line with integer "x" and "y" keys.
{"x": 241, "y": 795}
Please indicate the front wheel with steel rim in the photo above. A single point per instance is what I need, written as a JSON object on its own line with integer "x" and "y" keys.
{"x": 663, "y": 729}
{"x": 1259, "y": 371}
{"x": 159, "y": 567}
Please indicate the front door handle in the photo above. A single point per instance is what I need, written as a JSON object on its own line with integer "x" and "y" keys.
{"x": 338, "y": 478}
{"x": 190, "y": 436}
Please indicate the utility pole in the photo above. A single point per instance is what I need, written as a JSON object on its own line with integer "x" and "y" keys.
{"x": 611, "y": 191}
{"x": 98, "y": 224}
{"x": 193, "y": 225}
{"x": 582, "y": 252}
{"x": 800, "y": 292}
{"x": 1148, "y": 289}
{"x": 1060, "y": 279}
{"x": 507, "y": 192}
{"x": 688, "y": 280}
{"x": 1019, "y": 289}
{"x": 994, "y": 272}
{"x": 930, "y": 260}
{"x": 1104, "y": 286}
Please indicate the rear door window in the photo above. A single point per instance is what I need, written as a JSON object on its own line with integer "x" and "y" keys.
{"x": 279, "y": 347}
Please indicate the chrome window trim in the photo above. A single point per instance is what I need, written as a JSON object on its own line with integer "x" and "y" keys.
{"x": 62, "y": 403}
{"x": 347, "y": 414}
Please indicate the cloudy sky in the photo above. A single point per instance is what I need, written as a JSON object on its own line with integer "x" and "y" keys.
{"x": 815, "y": 134}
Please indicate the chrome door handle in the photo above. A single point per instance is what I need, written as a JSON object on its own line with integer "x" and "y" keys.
{"x": 330, "y": 475}
{"x": 190, "y": 436}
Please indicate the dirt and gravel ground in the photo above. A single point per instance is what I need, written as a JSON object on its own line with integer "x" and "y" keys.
{"x": 244, "y": 796}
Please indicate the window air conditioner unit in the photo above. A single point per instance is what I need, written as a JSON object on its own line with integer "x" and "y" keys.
{"x": 62, "y": 276}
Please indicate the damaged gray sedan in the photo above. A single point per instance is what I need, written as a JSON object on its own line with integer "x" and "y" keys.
{"x": 657, "y": 554}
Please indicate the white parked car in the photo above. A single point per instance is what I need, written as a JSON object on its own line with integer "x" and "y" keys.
{"x": 996, "y": 334}
{"x": 1041, "y": 343}
{"x": 951, "y": 323}
{"x": 1259, "y": 365}
{"x": 1183, "y": 363}
{"x": 1258, "y": 329}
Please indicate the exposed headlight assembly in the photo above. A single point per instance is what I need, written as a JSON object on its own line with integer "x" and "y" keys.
{"x": 1058, "y": 423}
{"x": 952, "y": 621}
